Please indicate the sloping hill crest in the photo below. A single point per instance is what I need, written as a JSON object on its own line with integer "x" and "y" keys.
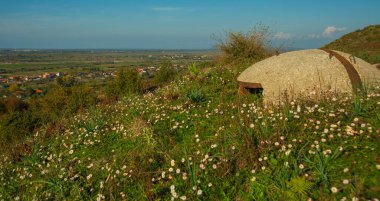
{"x": 363, "y": 43}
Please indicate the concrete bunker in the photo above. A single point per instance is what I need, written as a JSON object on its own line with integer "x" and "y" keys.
{"x": 302, "y": 71}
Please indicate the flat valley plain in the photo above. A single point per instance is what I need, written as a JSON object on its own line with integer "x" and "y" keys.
{"x": 36, "y": 69}
{"x": 24, "y": 62}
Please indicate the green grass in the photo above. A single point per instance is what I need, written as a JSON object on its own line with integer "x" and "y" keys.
{"x": 196, "y": 138}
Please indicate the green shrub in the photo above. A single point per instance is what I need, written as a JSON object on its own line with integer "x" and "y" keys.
{"x": 60, "y": 101}
{"x": 21, "y": 118}
{"x": 194, "y": 70}
{"x": 196, "y": 96}
{"x": 166, "y": 74}
{"x": 81, "y": 97}
{"x": 126, "y": 82}
{"x": 3, "y": 107}
{"x": 12, "y": 104}
{"x": 13, "y": 87}
{"x": 52, "y": 105}
{"x": 16, "y": 126}
{"x": 244, "y": 48}
{"x": 65, "y": 81}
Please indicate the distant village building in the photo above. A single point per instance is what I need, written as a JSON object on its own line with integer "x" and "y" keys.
{"x": 141, "y": 71}
{"x": 38, "y": 91}
{"x": 48, "y": 75}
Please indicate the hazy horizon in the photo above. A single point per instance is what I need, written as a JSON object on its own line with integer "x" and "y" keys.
{"x": 168, "y": 24}
{"x": 26, "y": 48}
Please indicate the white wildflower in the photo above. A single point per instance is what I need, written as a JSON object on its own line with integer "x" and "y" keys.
{"x": 199, "y": 192}
{"x": 301, "y": 166}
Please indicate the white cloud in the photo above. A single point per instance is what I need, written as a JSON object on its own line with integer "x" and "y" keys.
{"x": 283, "y": 36}
{"x": 159, "y": 8}
{"x": 328, "y": 32}
{"x": 331, "y": 29}
{"x": 314, "y": 36}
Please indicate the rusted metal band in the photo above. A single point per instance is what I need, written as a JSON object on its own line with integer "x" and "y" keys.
{"x": 355, "y": 79}
{"x": 250, "y": 85}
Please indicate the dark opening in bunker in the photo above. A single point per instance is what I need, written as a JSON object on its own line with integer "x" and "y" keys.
{"x": 251, "y": 88}
{"x": 256, "y": 91}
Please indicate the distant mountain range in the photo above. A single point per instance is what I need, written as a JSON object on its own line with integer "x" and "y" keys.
{"x": 363, "y": 43}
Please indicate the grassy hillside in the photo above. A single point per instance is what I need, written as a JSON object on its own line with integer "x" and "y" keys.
{"x": 197, "y": 139}
{"x": 363, "y": 43}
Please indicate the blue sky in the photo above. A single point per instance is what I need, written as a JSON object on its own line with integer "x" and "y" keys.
{"x": 176, "y": 24}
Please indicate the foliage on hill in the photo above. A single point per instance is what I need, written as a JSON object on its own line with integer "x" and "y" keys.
{"x": 363, "y": 43}
{"x": 127, "y": 81}
{"x": 19, "y": 119}
{"x": 245, "y": 48}
{"x": 222, "y": 146}
{"x": 165, "y": 74}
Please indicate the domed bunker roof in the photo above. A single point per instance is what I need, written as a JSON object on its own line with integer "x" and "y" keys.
{"x": 295, "y": 72}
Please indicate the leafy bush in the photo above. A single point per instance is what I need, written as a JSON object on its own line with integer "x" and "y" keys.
{"x": 166, "y": 74}
{"x": 52, "y": 105}
{"x": 13, "y": 87}
{"x": 17, "y": 125}
{"x": 81, "y": 97}
{"x": 12, "y": 104}
{"x": 244, "y": 48}
{"x": 194, "y": 70}
{"x": 20, "y": 118}
{"x": 65, "y": 81}
{"x": 126, "y": 82}
{"x": 196, "y": 96}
